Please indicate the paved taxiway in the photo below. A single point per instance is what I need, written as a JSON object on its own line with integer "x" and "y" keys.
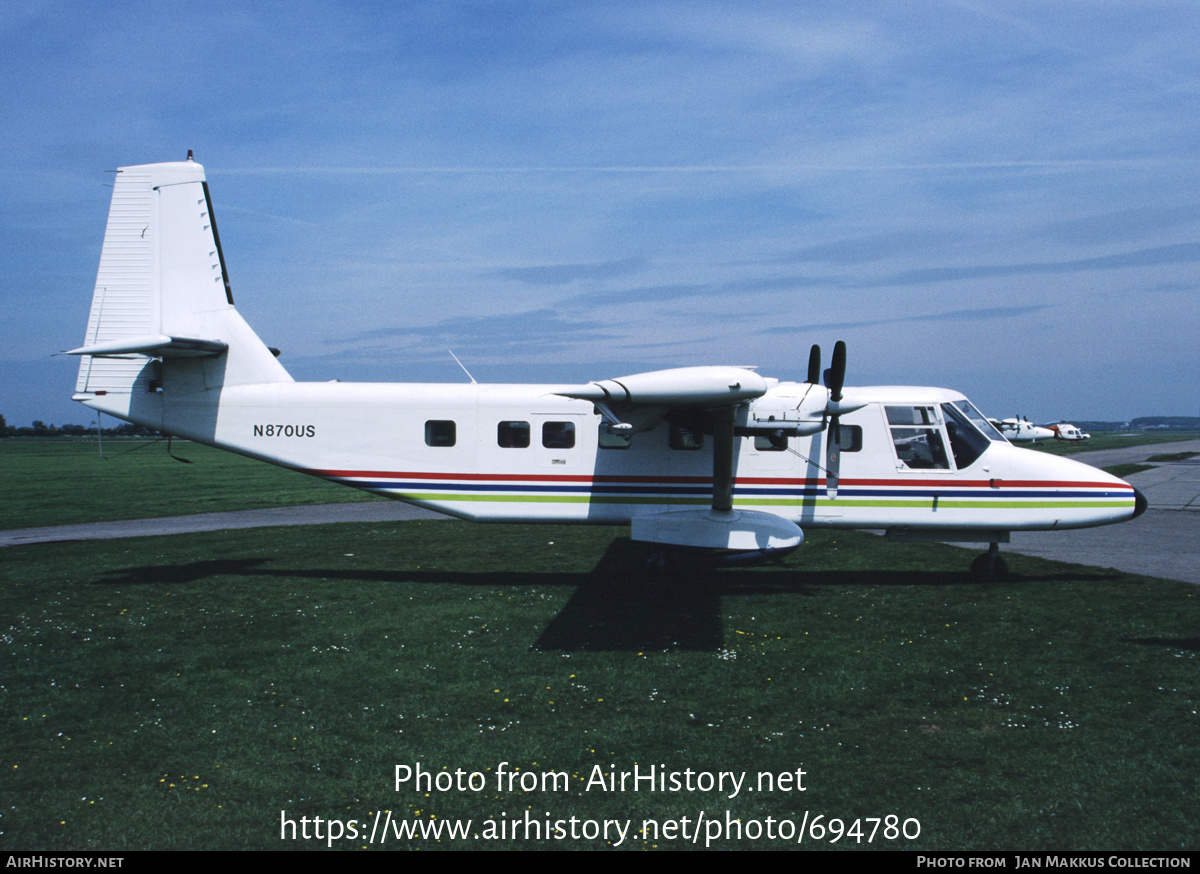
{"x": 319, "y": 514}
{"x": 1162, "y": 542}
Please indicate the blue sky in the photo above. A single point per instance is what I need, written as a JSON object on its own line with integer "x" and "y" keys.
{"x": 1001, "y": 198}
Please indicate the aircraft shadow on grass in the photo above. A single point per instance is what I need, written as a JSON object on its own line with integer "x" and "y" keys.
{"x": 620, "y": 605}
{"x": 1188, "y": 643}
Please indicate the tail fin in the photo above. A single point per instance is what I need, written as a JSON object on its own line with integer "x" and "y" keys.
{"x": 162, "y": 293}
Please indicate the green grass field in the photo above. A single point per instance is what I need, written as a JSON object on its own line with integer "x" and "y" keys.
{"x": 189, "y": 692}
{"x": 61, "y": 482}
{"x": 1111, "y": 441}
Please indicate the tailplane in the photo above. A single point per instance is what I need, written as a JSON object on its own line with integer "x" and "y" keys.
{"x": 162, "y": 311}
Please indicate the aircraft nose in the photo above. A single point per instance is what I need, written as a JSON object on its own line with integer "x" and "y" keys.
{"x": 1139, "y": 504}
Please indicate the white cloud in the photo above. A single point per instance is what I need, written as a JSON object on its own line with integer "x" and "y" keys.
{"x": 685, "y": 174}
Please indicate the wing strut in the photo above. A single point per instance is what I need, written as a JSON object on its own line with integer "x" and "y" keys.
{"x": 723, "y": 448}
{"x": 749, "y": 532}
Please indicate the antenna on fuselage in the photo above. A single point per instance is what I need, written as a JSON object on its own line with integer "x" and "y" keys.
{"x": 460, "y": 364}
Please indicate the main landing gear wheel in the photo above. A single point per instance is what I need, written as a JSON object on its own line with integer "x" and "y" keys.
{"x": 991, "y": 565}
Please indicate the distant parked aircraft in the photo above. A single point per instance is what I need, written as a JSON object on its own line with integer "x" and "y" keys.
{"x": 1021, "y": 430}
{"x": 1067, "y": 431}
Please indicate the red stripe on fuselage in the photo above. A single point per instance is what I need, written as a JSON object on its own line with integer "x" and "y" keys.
{"x": 922, "y": 482}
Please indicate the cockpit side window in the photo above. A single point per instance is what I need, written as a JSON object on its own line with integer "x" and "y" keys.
{"x": 966, "y": 442}
{"x": 911, "y": 416}
{"x": 917, "y": 438}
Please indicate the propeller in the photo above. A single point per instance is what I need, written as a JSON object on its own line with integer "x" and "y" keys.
{"x": 723, "y": 421}
{"x": 814, "y": 365}
{"x": 835, "y": 378}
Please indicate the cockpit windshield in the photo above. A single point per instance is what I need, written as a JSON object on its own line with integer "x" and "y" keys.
{"x": 968, "y": 437}
{"x": 980, "y": 421}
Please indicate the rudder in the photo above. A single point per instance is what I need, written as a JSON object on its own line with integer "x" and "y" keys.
{"x": 162, "y": 292}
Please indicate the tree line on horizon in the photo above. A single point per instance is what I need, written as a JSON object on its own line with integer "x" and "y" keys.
{"x": 41, "y": 429}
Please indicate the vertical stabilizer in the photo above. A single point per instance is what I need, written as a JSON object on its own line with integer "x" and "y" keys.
{"x": 162, "y": 297}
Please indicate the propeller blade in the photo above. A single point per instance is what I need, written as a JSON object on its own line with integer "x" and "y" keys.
{"x": 837, "y": 376}
{"x": 833, "y": 451}
{"x": 814, "y": 365}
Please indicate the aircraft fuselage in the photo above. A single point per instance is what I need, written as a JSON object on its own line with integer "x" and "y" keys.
{"x": 523, "y": 453}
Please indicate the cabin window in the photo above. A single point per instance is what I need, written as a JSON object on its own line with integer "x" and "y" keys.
{"x": 610, "y": 439}
{"x": 558, "y": 435}
{"x": 513, "y": 435}
{"x": 919, "y": 447}
{"x": 849, "y": 438}
{"x": 685, "y": 438}
{"x": 966, "y": 442}
{"x": 440, "y": 432}
{"x": 776, "y": 442}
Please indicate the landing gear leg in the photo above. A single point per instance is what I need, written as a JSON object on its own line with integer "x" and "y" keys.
{"x": 991, "y": 565}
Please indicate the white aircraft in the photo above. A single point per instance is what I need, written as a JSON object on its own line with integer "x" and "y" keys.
{"x": 1067, "y": 431}
{"x": 718, "y": 458}
{"x": 1021, "y": 430}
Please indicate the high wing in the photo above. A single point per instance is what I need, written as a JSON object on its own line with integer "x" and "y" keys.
{"x": 640, "y": 402}
{"x": 725, "y": 402}
{"x": 681, "y": 386}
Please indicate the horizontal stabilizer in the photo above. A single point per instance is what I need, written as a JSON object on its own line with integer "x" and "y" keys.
{"x": 154, "y": 345}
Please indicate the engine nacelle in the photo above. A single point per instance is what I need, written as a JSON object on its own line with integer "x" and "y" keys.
{"x": 794, "y": 409}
